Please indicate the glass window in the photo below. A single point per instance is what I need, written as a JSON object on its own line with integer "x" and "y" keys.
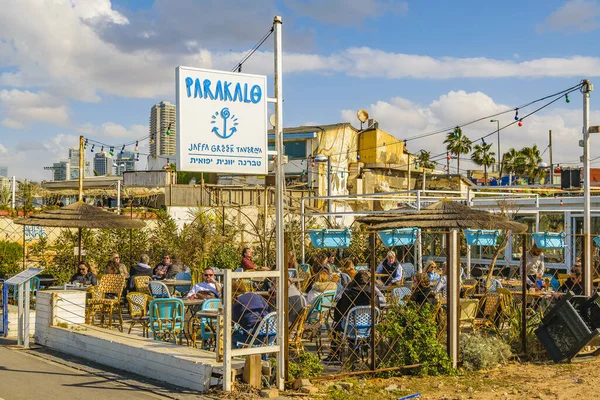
{"x": 296, "y": 149}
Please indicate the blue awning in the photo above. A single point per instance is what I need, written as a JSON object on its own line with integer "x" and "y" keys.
{"x": 294, "y": 136}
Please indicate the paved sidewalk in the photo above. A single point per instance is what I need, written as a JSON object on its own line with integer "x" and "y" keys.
{"x": 30, "y": 374}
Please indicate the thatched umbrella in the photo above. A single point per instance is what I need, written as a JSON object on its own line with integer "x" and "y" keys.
{"x": 80, "y": 215}
{"x": 446, "y": 214}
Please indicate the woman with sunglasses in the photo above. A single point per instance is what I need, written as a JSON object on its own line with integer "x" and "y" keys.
{"x": 85, "y": 276}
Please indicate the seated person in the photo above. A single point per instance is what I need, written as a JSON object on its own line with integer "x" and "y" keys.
{"x": 247, "y": 311}
{"x": 421, "y": 292}
{"x": 320, "y": 265}
{"x": 391, "y": 268}
{"x": 209, "y": 288}
{"x": 140, "y": 269}
{"x": 331, "y": 262}
{"x": 358, "y": 293}
{"x": 572, "y": 284}
{"x": 431, "y": 271}
{"x": 321, "y": 284}
{"x": 85, "y": 276}
{"x": 114, "y": 266}
{"x": 247, "y": 264}
{"x": 295, "y": 301}
{"x": 442, "y": 282}
{"x": 162, "y": 268}
{"x": 347, "y": 267}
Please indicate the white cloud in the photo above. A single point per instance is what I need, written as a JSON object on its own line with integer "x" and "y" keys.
{"x": 403, "y": 118}
{"x": 113, "y": 130}
{"x": 573, "y": 16}
{"x": 98, "y": 11}
{"x": 3, "y": 149}
{"x": 21, "y": 108}
{"x": 345, "y": 12}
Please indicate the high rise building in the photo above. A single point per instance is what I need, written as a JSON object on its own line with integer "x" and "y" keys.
{"x": 74, "y": 162}
{"x": 61, "y": 170}
{"x": 125, "y": 162}
{"x": 163, "y": 119}
{"x": 102, "y": 164}
{"x": 3, "y": 171}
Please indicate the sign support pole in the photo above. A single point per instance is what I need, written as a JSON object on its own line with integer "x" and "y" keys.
{"x": 279, "y": 190}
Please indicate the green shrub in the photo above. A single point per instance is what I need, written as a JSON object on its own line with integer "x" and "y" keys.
{"x": 408, "y": 336}
{"x": 11, "y": 254}
{"x": 483, "y": 352}
{"x": 307, "y": 365}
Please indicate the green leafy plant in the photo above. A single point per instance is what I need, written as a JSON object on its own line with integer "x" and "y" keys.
{"x": 408, "y": 336}
{"x": 10, "y": 256}
{"x": 306, "y": 365}
{"x": 483, "y": 352}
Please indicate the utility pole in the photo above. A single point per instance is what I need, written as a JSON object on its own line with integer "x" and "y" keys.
{"x": 550, "y": 149}
{"x": 448, "y": 164}
{"x": 587, "y": 246}
{"x": 81, "y": 153}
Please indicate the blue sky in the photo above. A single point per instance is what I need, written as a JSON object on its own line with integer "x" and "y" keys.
{"x": 95, "y": 67}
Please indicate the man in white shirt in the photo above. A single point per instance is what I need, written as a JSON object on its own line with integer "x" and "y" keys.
{"x": 534, "y": 265}
{"x": 207, "y": 286}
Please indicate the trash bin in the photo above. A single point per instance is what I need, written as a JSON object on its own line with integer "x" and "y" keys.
{"x": 564, "y": 332}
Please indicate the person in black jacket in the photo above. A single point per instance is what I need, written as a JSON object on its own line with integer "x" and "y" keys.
{"x": 85, "y": 275}
{"x": 421, "y": 292}
{"x": 572, "y": 284}
{"x": 357, "y": 293}
{"x": 140, "y": 269}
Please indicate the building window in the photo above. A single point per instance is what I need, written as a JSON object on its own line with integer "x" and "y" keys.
{"x": 296, "y": 149}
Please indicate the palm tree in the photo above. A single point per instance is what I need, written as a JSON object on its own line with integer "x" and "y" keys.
{"x": 530, "y": 158}
{"x": 510, "y": 162}
{"x": 457, "y": 144}
{"x": 482, "y": 156}
{"x": 423, "y": 160}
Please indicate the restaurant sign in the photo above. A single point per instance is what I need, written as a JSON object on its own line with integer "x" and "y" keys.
{"x": 221, "y": 122}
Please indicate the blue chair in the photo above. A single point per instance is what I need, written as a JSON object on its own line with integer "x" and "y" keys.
{"x": 159, "y": 290}
{"x": 409, "y": 270}
{"x": 399, "y": 293}
{"x": 265, "y": 334}
{"x": 167, "y": 319}
{"x": 292, "y": 273}
{"x": 184, "y": 276}
{"x": 361, "y": 267}
{"x": 357, "y": 329}
{"x": 207, "y": 334}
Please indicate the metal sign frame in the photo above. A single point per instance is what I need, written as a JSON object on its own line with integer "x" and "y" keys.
{"x": 23, "y": 283}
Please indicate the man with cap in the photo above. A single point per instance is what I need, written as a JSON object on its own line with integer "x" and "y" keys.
{"x": 390, "y": 270}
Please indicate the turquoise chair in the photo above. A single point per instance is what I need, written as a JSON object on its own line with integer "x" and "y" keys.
{"x": 184, "y": 276}
{"x": 35, "y": 286}
{"x": 167, "y": 319}
{"x": 207, "y": 334}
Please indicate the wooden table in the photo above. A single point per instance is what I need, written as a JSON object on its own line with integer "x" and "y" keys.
{"x": 69, "y": 287}
{"x": 176, "y": 282}
{"x": 216, "y": 328}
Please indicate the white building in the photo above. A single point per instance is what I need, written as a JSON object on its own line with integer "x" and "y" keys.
{"x": 163, "y": 134}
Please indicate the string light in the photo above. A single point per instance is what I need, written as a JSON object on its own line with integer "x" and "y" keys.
{"x": 516, "y": 114}
{"x": 137, "y": 158}
{"x": 112, "y": 151}
{"x": 483, "y": 141}
{"x": 567, "y": 100}
{"x": 416, "y": 165}
{"x": 85, "y": 144}
{"x": 123, "y": 149}
{"x": 102, "y": 149}
{"x": 358, "y": 157}
{"x": 312, "y": 165}
{"x": 520, "y": 122}
{"x": 561, "y": 202}
{"x": 136, "y": 146}
{"x": 169, "y": 129}
{"x": 92, "y": 149}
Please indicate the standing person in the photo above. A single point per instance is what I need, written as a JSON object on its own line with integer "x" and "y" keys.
{"x": 534, "y": 265}
{"x": 247, "y": 264}
{"x": 162, "y": 268}
{"x": 140, "y": 269}
{"x": 209, "y": 288}
{"x": 85, "y": 276}
{"x": 116, "y": 266}
{"x": 391, "y": 269}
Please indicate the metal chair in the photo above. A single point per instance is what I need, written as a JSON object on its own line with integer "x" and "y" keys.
{"x": 265, "y": 333}
{"x": 35, "y": 286}
{"x": 317, "y": 316}
{"x": 158, "y": 290}
{"x": 399, "y": 293}
{"x": 296, "y": 332}
{"x": 345, "y": 279}
{"x": 138, "y": 310}
{"x": 292, "y": 273}
{"x": 204, "y": 324}
{"x": 357, "y": 329}
{"x": 361, "y": 267}
{"x": 141, "y": 284}
{"x": 409, "y": 270}
{"x": 166, "y": 319}
{"x": 106, "y": 297}
{"x": 184, "y": 276}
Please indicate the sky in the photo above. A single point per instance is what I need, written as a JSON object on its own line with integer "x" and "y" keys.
{"x": 95, "y": 67}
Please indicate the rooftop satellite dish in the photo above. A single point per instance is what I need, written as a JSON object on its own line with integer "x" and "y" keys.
{"x": 272, "y": 120}
{"x": 362, "y": 115}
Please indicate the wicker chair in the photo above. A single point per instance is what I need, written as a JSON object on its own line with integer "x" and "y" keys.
{"x": 141, "y": 284}
{"x": 138, "y": 309}
{"x": 488, "y": 306}
{"x": 106, "y": 297}
{"x": 296, "y": 331}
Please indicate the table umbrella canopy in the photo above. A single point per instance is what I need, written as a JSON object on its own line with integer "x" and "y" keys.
{"x": 445, "y": 214}
{"x": 80, "y": 215}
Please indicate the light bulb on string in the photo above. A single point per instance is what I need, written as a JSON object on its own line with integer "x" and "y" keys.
{"x": 416, "y": 165}
{"x": 92, "y": 149}
{"x": 516, "y": 114}
{"x": 358, "y": 157}
{"x": 342, "y": 175}
{"x": 567, "y": 100}
{"x": 137, "y": 158}
{"x": 483, "y": 142}
{"x": 169, "y": 129}
{"x": 102, "y": 149}
{"x": 312, "y": 165}
{"x": 520, "y": 122}
{"x": 136, "y": 148}
{"x": 85, "y": 144}
{"x": 112, "y": 151}
{"x": 123, "y": 149}
{"x": 561, "y": 202}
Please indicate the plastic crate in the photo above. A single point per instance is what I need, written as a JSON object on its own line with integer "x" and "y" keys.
{"x": 563, "y": 331}
{"x": 329, "y": 238}
{"x": 481, "y": 237}
{"x": 398, "y": 237}
{"x": 549, "y": 240}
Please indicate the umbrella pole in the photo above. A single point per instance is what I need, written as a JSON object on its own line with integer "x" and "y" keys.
{"x": 79, "y": 244}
